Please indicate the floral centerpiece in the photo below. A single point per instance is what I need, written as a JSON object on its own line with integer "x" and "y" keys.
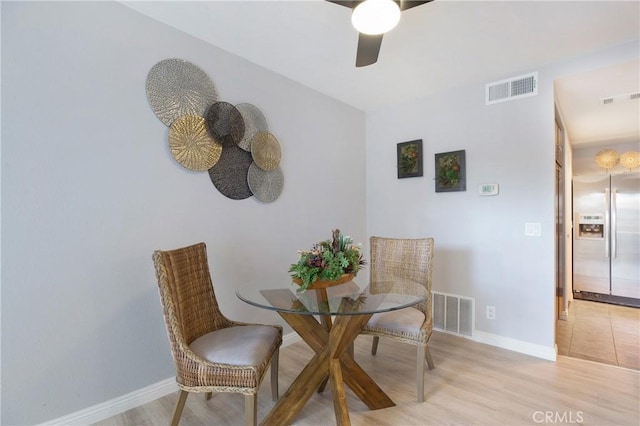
{"x": 327, "y": 260}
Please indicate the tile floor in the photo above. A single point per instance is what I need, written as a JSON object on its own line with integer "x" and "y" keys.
{"x": 601, "y": 332}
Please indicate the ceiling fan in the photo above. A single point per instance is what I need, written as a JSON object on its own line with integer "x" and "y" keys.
{"x": 370, "y": 39}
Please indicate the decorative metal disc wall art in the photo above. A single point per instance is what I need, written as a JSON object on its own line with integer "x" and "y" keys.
{"x": 225, "y": 123}
{"x": 265, "y": 185}
{"x": 254, "y": 122}
{"x": 229, "y": 174}
{"x": 191, "y": 145}
{"x": 176, "y": 87}
{"x": 265, "y": 150}
{"x": 232, "y": 142}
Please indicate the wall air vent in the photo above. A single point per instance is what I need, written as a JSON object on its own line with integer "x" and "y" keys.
{"x": 453, "y": 314}
{"x": 620, "y": 98}
{"x": 511, "y": 88}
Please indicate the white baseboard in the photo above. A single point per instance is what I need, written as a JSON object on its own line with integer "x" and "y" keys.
{"x": 117, "y": 405}
{"x": 539, "y": 351}
{"x": 133, "y": 399}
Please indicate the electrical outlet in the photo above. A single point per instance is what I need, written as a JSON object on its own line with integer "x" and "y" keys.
{"x": 491, "y": 312}
{"x": 533, "y": 229}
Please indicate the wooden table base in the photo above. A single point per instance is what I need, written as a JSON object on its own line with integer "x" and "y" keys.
{"x": 332, "y": 361}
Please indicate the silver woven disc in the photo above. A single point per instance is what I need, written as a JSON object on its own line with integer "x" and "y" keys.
{"x": 176, "y": 87}
{"x": 254, "y": 122}
{"x": 265, "y": 185}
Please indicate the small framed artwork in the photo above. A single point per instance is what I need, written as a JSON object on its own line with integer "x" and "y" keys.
{"x": 410, "y": 159}
{"x": 451, "y": 171}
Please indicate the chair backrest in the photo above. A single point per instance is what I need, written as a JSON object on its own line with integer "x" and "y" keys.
{"x": 186, "y": 292}
{"x": 397, "y": 259}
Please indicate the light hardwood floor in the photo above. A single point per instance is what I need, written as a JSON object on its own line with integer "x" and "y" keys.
{"x": 601, "y": 332}
{"x": 472, "y": 383}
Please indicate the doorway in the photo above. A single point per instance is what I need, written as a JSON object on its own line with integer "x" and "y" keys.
{"x": 560, "y": 246}
{"x": 585, "y": 121}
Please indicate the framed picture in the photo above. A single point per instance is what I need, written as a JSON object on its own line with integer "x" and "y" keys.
{"x": 451, "y": 172}
{"x": 410, "y": 159}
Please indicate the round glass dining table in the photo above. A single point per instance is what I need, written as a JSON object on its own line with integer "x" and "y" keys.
{"x": 329, "y": 320}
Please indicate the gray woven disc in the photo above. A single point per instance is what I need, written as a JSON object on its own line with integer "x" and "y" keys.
{"x": 176, "y": 87}
{"x": 265, "y": 185}
{"x": 254, "y": 122}
{"x": 225, "y": 124}
{"x": 229, "y": 175}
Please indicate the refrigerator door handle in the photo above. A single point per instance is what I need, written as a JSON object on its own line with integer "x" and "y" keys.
{"x": 614, "y": 225}
{"x": 607, "y": 228}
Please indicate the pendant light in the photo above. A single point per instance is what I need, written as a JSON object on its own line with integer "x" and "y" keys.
{"x": 607, "y": 159}
{"x": 630, "y": 160}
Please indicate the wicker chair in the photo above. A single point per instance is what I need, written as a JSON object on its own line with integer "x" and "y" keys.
{"x": 211, "y": 353}
{"x": 394, "y": 259}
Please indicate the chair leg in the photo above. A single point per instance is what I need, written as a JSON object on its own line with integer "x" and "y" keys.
{"x": 420, "y": 356}
{"x": 177, "y": 412}
{"x": 207, "y": 396}
{"x": 251, "y": 410}
{"x": 374, "y": 345}
{"x": 274, "y": 375}
{"x": 429, "y": 359}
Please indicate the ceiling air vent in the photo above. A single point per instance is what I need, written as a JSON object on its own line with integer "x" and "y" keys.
{"x": 511, "y": 88}
{"x": 620, "y": 98}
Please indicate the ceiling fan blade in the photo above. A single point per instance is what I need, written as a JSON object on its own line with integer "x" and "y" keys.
{"x": 368, "y": 49}
{"x": 348, "y": 3}
{"x": 404, "y": 4}
{"x": 408, "y": 4}
{"x": 369, "y": 45}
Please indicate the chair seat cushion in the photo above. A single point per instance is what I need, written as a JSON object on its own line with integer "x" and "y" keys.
{"x": 406, "y": 321}
{"x": 240, "y": 345}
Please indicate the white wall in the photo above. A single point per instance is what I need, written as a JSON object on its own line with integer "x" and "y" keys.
{"x": 481, "y": 249}
{"x": 89, "y": 190}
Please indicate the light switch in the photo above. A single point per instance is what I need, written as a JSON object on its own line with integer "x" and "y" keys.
{"x": 533, "y": 229}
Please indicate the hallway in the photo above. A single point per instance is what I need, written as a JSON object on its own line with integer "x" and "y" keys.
{"x": 600, "y": 332}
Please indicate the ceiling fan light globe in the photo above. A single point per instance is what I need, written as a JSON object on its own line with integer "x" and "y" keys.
{"x": 375, "y": 16}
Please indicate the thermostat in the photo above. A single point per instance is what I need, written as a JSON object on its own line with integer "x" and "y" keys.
{"x": 488, "y": 189}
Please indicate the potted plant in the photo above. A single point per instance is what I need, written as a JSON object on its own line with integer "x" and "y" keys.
{"x": 328, "y": 263}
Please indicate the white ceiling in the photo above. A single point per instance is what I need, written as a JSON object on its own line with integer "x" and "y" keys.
{"x": 590, "y": 121}
{"x": 436, "y": 46}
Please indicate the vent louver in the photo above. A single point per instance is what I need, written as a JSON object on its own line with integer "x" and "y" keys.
{"x": 511, "y": 88}
{"x": 620, "y": 98}
{"x": 453, "y": 313}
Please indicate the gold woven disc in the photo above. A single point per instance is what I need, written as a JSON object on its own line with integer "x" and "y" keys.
{"x": 191, "y": 145}
{"x": 265, "y": 150}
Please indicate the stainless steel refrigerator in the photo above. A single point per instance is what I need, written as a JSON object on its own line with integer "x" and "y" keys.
{"x": 606, "y": 238}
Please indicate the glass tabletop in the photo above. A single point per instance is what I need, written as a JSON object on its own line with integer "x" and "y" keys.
{"x": 343, "y": 299}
